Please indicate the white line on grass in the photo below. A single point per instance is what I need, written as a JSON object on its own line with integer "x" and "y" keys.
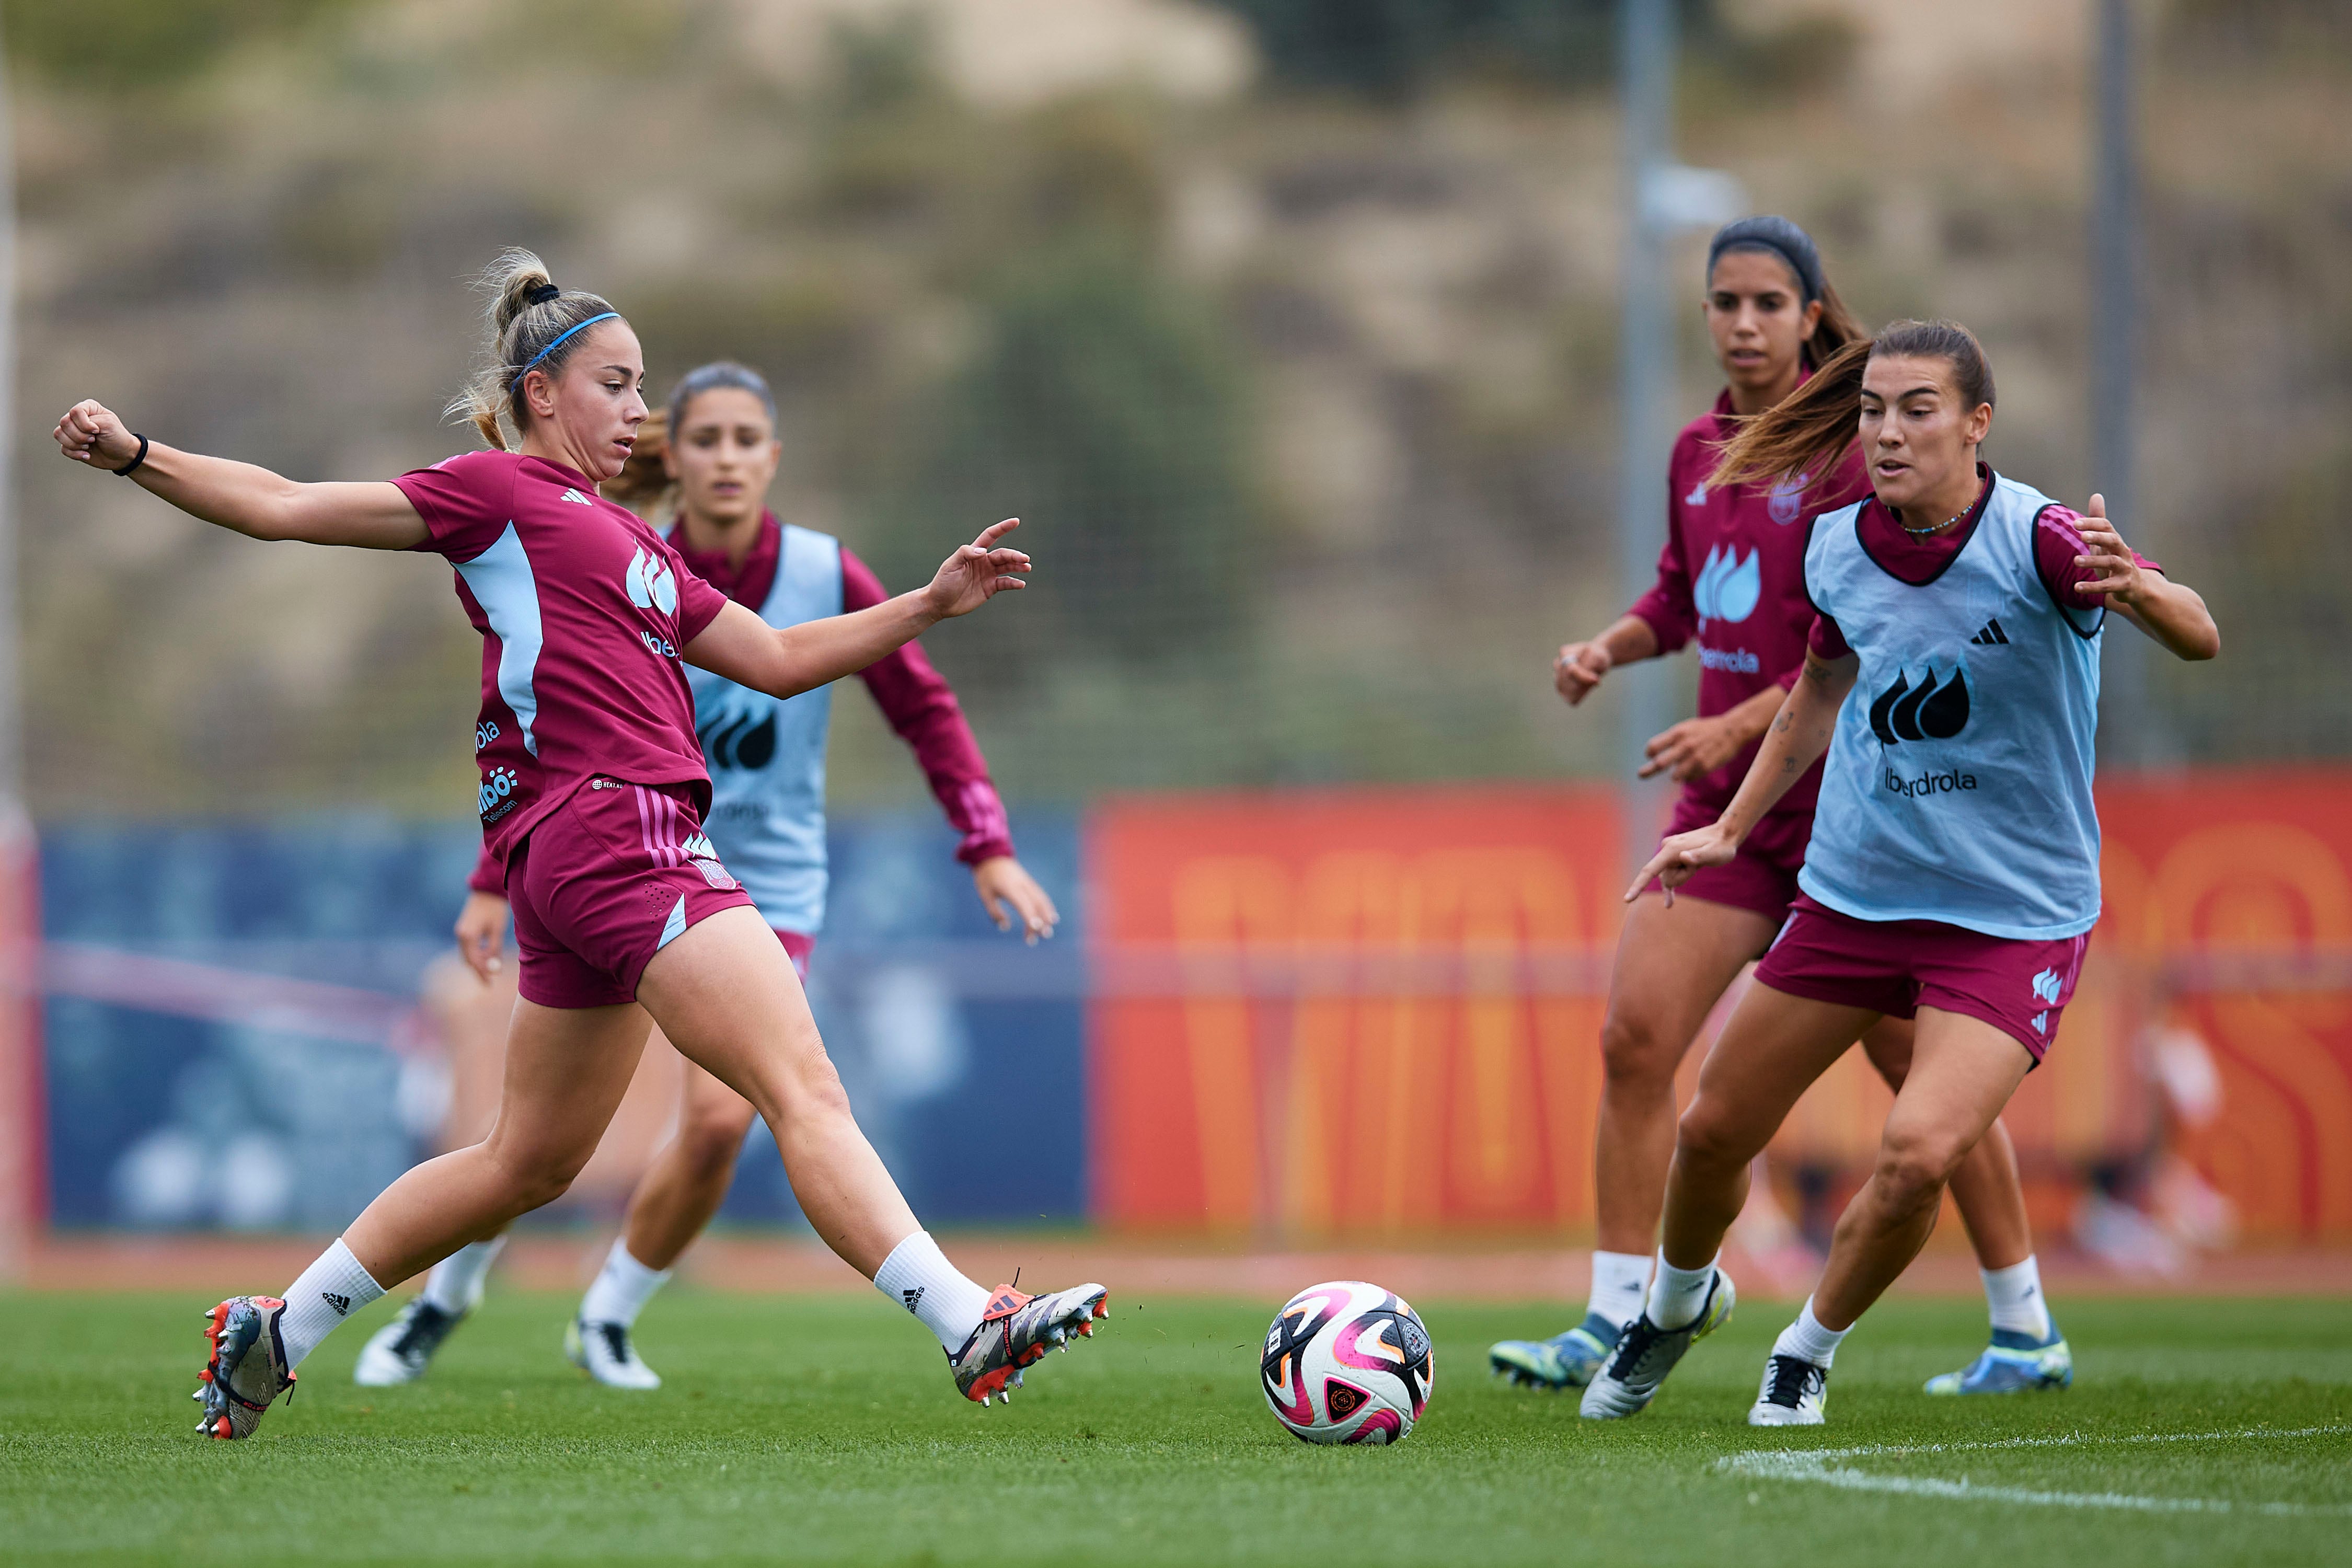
{"x": 1816, "y": 1466}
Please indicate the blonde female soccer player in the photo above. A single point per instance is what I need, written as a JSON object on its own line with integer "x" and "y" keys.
{"x": 592, "y": 792}
{"x": 715, "y": 451}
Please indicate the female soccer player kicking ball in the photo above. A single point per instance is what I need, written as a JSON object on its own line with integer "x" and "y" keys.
{"x": 593, "y": 786}
{"x": 716, "y": 447}
{"x": 1732, "y": 574}
{"x": 1953, "y": 873}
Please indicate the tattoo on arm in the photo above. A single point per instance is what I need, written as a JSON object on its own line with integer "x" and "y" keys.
{"x": 1781, "y": 725}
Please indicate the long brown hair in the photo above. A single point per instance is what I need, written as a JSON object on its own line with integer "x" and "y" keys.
{"x": 1808, "y": 431}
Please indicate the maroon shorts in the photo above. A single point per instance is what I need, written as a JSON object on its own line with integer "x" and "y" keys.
{"x": 1762, "y": 877}
{"x": 604, "y": 882}
{"x": 1896, "y": 967}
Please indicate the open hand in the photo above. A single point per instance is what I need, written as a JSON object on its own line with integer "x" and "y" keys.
{"x": 1692, "y": 749}
{"x": 1007, "y": 891}
{"x": 977, "y": 573}
{"x": 2117, "y": 570}
{"x": 1577, "y": 669}
{"x": 1683, "y": 854}
{"x": 94, "y": 435}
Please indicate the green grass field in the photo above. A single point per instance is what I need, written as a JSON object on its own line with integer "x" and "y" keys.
{"x": 827, "y": 1431}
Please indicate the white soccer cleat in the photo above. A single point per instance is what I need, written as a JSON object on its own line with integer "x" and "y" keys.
{"x": 602, "y": 1351}
{"x": 1646, "y": 1352}
{"x": 1016, "y": 1330}
{"x": 399, "y": 1351}
{"x": 248, "y": 1369}
{"x": 1795, "y": 1393}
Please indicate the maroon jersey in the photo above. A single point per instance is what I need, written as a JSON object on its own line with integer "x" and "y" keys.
{"x": 583, "y": 610}
{"x": 1732, "y": 577}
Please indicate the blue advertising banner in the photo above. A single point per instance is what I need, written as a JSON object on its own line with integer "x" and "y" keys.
{"x": 234, "y": 1041}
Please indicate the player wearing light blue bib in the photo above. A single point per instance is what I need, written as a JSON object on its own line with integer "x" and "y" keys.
{"x": 1952, "y": 680}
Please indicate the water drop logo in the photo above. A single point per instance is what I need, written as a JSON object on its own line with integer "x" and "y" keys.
{"x": 1729, "y": 587}
{"x": 651, "y": 583}
{"x": 734, "y": 739}
{"x": 2047, "y": 985}
{"x": 1927, "y": 711}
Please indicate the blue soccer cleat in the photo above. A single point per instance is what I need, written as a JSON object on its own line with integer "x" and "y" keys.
{"x": 2012, "y": 1363}
{"x": 1563, "y": 1361}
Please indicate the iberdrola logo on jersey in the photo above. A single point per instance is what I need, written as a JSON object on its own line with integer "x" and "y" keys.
{"x": 1728, "y": 587}
{"x": 652, "y": 585}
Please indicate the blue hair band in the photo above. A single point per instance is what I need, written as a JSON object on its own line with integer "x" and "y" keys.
{"x": 607, "y": 316}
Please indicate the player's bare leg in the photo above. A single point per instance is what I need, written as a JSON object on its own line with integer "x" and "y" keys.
{"x": 1768, "y": 1053}
{"x": 674, "y": 1201}
{"x": 1963, "y": 1071}
{"x": 1672, "y": 966}
{"x": 2026, "y": 1352}
{"x": 566, "y": 1071}
{"x": 726, "y": 995}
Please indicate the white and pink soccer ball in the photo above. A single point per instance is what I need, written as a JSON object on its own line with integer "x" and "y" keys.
{"x": 1346, "y": 1362}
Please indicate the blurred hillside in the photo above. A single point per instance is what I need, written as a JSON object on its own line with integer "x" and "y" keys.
{"x": 1287, "y": 325}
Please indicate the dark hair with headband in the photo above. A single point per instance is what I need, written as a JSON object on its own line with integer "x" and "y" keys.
{"x": 533, "y": 325}
{"x": 1777, "y": 236}
{"x": 645, "y": 477}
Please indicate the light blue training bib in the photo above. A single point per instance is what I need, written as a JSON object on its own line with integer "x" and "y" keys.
{"x": 767, "y": 758}
{"x": 1957, "y": 787}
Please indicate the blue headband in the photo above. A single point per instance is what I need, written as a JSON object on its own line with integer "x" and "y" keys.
{"x": 607, "y": 316}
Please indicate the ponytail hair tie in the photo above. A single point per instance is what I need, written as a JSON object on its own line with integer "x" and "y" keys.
{"x": 541, "y": 293}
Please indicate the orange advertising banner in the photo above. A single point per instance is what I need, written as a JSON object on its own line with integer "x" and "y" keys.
{"x": 1376, "y": 1012}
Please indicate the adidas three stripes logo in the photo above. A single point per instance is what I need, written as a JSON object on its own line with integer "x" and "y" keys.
{"x": 1990, "y": 636}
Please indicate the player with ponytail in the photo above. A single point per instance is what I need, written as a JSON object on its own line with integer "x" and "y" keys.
{"x": 1731, "y": 578}
{"x": 713, "y": 452}
{"x": 592, "y": 793}
{"x": 1951, "y": 680}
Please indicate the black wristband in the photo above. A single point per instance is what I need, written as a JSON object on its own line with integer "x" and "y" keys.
{"x": 127, "y": 469}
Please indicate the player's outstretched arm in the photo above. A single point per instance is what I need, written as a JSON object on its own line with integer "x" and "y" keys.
{"x": 240, "y": 496}
{"x": 788, "y": 660}
{"x": 2172, "y": 614}
{"x": 1794, "y": 742}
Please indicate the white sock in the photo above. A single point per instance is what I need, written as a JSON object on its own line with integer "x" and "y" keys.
{"x": 455, "y": 1286}
{"x": 621, "y": 1288}
{"x": 2014, "y": 1296}
{"x": 1678, "y": 1296}
{"x": 1620, "y": 1282}
{"x": 918, "y": 1277}
{"x": 1807, "y": 1341}
{"x": 330, "y": 1291}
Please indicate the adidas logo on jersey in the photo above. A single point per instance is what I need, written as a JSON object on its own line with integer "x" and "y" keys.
{"x": 341, "y": 1304}
{"x": 1991, "y": 636}
{"x": 573, "y": 495}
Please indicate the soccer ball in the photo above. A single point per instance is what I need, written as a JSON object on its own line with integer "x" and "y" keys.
{"x": 1346, "y": 1362}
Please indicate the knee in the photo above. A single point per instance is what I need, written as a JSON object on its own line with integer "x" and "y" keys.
{"x": 712, "y": 1140}
{"x": 1634, "y": 1054}
{"x": 1707, "y": 1137}
{"x": 537, "y": 1177}
{"x": 811, "y": 1086}
{"x": 1914, "y": 1166}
